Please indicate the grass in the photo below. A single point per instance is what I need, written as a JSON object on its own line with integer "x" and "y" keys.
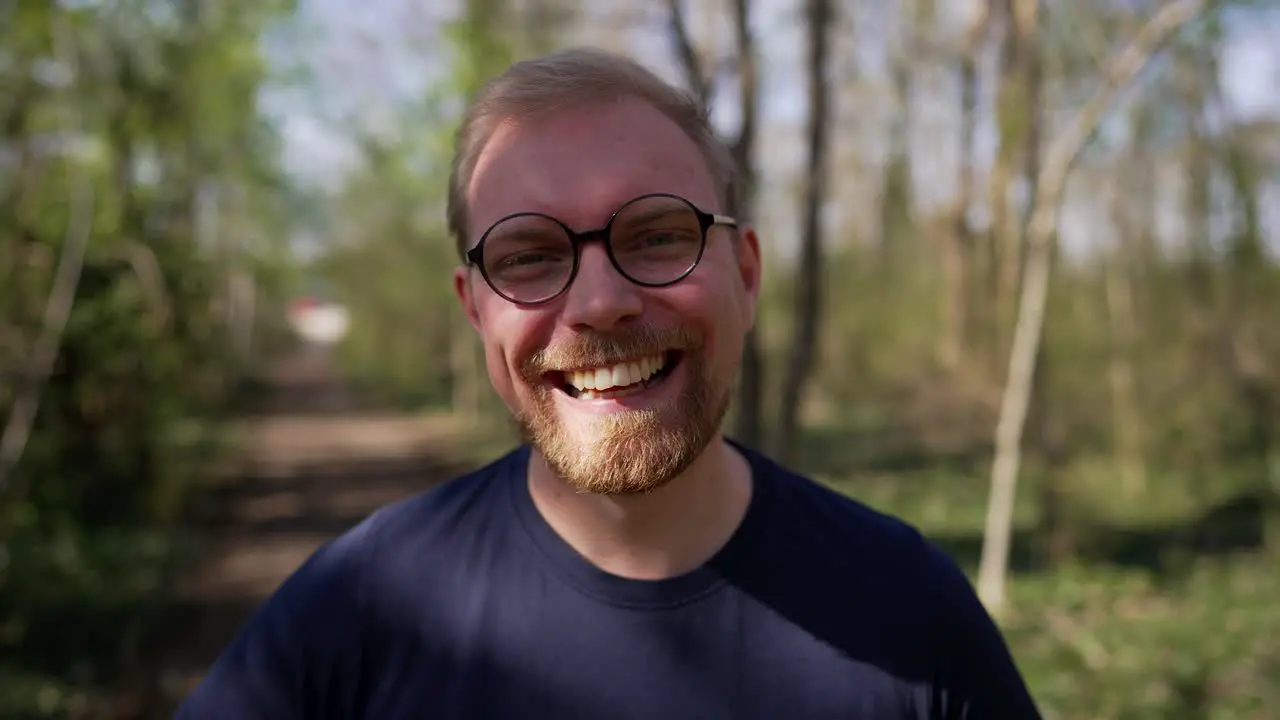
{"x": 1097, "y": 642}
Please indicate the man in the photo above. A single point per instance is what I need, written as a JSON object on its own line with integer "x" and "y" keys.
{"x": 628, "y": 562}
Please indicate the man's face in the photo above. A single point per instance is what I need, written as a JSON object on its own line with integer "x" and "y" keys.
{"x": 579, "y": 166}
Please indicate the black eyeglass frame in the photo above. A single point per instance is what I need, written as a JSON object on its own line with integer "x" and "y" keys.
{"x": 706, "y": 220}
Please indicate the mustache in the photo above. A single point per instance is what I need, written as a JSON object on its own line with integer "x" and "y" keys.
{"x": 596, "y": 349}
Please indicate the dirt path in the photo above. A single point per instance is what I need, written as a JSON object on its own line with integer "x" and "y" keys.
{"x": 311, "y": 467}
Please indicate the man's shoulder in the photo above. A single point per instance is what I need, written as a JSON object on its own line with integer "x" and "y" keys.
{"x": 829, "y": 512}
{"x": 922, "y": 620}
{"x": 394, "y": 547}
{"x": 872, "y": 582}
{"x": 848, "y": 536}
{"x": 318, "y": 617}
{"x": 435, "y": 513}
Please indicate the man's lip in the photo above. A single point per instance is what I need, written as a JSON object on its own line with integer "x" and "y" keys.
{"x": 666, "y": 354}
{"x": 559, "y": 376}
{"x": 559, "y": 379}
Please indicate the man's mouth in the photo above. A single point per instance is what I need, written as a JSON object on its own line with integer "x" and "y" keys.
{"x": 616, "y": 380}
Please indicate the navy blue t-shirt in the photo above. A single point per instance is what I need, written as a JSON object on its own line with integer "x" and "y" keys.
{"x": 463, "y": 603}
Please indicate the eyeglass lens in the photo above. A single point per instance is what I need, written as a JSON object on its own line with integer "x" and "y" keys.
{"x": 653, "y": 240}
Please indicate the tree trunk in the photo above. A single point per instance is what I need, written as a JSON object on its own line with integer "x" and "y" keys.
{"x": 808, "y": 302}
{"x": 955, "y": 244}
{"x": 741, "y": 202}
{"x": 1056, "y": 534}
{"x": 1031, "y": 307}
{"x": 896, "y": 202}
{"x": 1009, "y": 112}
{"x": 1127, "y": 420}
{"x": 749, "y": 427}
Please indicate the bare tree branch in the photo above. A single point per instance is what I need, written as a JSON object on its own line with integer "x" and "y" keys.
{"x": 17, "y": 429}
{"x": 1041, "y": 229}
{"x": 146, "y": 269}
{"x": 748, "y": 426}
{"x": 694, "y": 73}
{"x": 743, "y": 146}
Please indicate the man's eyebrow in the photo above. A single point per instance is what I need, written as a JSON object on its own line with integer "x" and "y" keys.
{"x": 649, "y": 215}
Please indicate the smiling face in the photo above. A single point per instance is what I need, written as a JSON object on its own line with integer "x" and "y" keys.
{"x": 619, "y": 386}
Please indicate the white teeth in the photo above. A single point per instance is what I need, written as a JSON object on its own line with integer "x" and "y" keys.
{"x": 619, "y": 375}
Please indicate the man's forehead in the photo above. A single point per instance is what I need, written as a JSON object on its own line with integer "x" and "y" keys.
{"x": 580, "y": 166}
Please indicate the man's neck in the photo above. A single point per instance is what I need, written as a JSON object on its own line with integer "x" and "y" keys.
{"x": 661, "y": 534}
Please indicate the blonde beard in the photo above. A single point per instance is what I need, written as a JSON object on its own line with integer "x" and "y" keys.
{"x": 630, "y": 453}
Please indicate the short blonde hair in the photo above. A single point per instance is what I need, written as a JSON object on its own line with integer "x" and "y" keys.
{"x": 540, "y": 86}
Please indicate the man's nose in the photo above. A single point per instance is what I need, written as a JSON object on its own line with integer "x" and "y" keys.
{"x": 600, "y": 298}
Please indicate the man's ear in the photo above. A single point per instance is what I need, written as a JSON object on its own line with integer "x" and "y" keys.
{"x": 463, "y": 288}
{"x": 749, "y": 270}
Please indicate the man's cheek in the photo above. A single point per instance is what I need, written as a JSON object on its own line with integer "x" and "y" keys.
{"x": 496, "y": 366}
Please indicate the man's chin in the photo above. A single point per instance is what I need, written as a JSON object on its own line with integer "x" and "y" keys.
{"x": 633, "y": 449}
{"x": 618, "y": 461}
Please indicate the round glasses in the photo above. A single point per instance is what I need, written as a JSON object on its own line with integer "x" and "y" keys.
{"x": 653, "y": 241}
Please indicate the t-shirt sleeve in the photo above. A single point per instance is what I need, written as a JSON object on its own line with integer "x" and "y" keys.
{"x": 976, "y": 674}
{"x": 290, "y": 660}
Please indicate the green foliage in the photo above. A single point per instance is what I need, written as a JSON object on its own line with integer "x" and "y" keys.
{"x": 391, "y": 264}
{"x": 389, "y": 255}
{"x": 77, "y": 611}
{"x": 153, "y": 105}
{"x": 168, "y": 135}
